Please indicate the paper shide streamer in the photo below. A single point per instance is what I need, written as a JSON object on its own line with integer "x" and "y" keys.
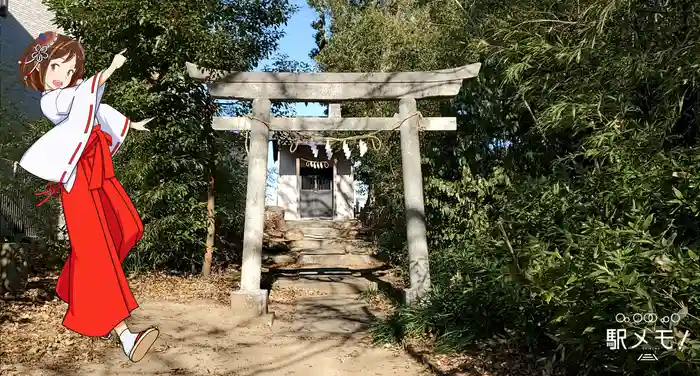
{"x": 346, "y": 150}
{"x": 363, "y": 148}
{"x": 329, "y": 151}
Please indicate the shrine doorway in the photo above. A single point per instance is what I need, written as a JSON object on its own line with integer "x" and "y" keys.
{"x": 316, "y": 193}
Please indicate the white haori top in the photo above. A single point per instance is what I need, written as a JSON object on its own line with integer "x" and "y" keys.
{"x": 74, "y": 111}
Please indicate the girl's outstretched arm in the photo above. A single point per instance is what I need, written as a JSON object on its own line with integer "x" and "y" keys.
{"x": 117, "y": 63}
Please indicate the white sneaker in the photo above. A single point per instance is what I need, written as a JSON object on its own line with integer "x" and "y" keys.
{"x": 142, "y": 343}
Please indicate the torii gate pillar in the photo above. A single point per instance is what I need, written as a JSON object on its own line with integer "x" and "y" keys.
{"x": 250, "y": 297}
{"x": 416, "y": 234}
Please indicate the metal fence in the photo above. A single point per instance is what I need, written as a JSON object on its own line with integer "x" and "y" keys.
{"x": 15, "y": 218}
{"x": 16, "y": 208}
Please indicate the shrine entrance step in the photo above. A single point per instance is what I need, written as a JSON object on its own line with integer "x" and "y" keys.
{"x": 330, "y": 285}
{"x": 329, "y": 248}
{"x": 331, "y": 245}
{"x": 327, "y": 229}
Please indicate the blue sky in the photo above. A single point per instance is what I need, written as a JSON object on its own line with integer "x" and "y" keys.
{"x": 297, "y": 43}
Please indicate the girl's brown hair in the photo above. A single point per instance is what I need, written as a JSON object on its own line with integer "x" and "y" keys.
{"x": 62, "y": 47}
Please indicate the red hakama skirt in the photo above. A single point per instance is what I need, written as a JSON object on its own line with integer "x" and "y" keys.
{"x": 103, "y": 226}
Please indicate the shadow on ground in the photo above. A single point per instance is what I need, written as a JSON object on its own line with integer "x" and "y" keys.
{"x": 313, "y": 335}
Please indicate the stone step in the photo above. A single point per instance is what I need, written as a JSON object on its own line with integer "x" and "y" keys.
{"x": 327, "y": 251}
{"x": 336, "y": 260}
{"x": 335, "y": 285}
{"x": 317, "y": 243}
{"x": 322, "y": 256}
{"x": 318, "y": 231}
{"x": 293, "y": 255}
{"x": 338, "y": 244}
{"x": 279, "y": 259}
{"x": 320, "y": 270}
{"x": 324, "y": 224}
{"x": 328, "y": 232}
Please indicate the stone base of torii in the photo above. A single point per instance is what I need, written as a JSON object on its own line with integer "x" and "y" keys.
{"x": 263, "y": 87}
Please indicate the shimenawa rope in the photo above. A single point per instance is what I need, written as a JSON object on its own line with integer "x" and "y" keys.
{"x": 375, "y": 142}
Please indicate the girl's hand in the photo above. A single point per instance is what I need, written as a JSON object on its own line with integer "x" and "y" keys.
{"x": 140, "y": 125}
{"x": 117, "y": 63}
{"x": 119, "y": 60}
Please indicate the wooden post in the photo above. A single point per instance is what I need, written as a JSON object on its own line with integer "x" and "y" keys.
{"x": 250, "y": 296}
{"x": 211, "y": 201}
{"x": 413, "y": 195}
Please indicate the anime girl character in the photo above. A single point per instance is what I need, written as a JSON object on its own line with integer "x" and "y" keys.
{"x": 75, "y": 156}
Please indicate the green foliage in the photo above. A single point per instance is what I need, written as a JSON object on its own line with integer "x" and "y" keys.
{"x": 166, "y": 171}
{"x": 569, "y": 192}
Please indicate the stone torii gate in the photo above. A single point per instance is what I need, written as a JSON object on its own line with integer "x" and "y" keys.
{"x": 333, "y": 88}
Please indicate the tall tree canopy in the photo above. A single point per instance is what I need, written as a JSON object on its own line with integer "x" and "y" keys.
{"x": 167, "y": 170}
{"x": 569, "y": 192}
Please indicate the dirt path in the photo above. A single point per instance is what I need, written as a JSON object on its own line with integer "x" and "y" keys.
{"x": 313, "y": 334}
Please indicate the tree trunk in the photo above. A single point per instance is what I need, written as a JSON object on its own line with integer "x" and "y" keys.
{"x": 211, "y": 230}
{"x": 211, "y": 194}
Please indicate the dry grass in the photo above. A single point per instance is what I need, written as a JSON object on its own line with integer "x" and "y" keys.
{"x": 504, "y": 362}
{"x": 473, "y": 363}
{"x": 495, "y": 362}
{"x": 379, "y": 302}
{"x": 31, "y": 324}
{"x": 163, "y": 287}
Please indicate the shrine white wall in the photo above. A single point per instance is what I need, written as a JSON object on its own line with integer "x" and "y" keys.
{"x": 344, "y": 191}
{"x": 288, "y": 184}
